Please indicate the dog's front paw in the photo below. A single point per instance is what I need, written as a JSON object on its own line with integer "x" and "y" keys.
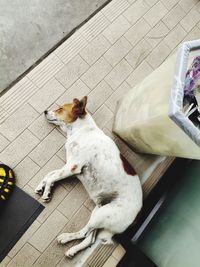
{"x": 70, "y": 252}
{"x": 63, "y": 238}
{"x": 39, "y": 190}
{"x": 46, "y": 198}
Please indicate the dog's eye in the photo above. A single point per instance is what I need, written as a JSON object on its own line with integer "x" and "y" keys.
{"x": 59, "y": 110}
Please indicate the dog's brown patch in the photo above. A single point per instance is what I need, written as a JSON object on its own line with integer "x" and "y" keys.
{"x": 127, "y": 166}
{"x": 65, "y": 113}
{"x": 70, "y": 112}
{"x": 79, "y": 107}
{"x": 74, "y": 168}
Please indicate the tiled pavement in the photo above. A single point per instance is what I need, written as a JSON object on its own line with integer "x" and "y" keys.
{"x": 107, "y": 56}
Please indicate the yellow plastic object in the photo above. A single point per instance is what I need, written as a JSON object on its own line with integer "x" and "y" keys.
{"x": 2, "y": 172}
{"x": 7, "y": 182}
{"x": 10, "y": 174}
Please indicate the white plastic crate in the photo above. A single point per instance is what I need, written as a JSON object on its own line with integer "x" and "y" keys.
{"x": 150, "y": 117}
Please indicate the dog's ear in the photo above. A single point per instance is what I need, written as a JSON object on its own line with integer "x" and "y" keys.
{"x": 79, "y": 107}
{"x": 84, "y": 101}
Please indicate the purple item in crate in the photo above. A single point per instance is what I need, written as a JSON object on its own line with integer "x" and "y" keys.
{"x": 192, "y": 76}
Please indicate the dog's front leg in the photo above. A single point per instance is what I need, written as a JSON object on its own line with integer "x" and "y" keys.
{"x": 44, "y": 187}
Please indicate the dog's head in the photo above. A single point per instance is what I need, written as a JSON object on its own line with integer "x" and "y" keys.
{"x": 68, "y": 113}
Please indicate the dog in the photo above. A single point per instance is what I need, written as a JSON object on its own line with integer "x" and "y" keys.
{"x": 109, "y": 179}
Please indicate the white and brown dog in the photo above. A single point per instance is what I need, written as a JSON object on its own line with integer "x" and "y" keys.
{"x": 108, "y": 178}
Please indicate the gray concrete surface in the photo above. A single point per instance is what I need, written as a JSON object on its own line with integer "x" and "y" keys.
{"x": 29, "y": 29}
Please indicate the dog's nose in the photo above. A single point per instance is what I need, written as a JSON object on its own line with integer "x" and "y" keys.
{"x": 45, "y": 112}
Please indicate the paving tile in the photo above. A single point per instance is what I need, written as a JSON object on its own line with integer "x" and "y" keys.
{"x": 111, "y": 262}
{"x": 120, "y": 72}
{"x": 118, "y": 253}
{"x": 72, "y": 262}
{"x": 26, "y": 236}
{"x": 121, "y": 91}
{"x": 131, "y": 1}
{"x": 193, "y": 34}
{"x": 51, "y": 256}
{"x": 18, "y": 149}
{"x": 141, "y": 72}
{"x": 3, "y": 115}
{"x": 121, "y": 145}
{"x": 47, "y": 95}
{"x": 47, "y": 148}
{"x": 72, "y": 71}
{"x": 61, "y": 131}
{"x": 188, "y": 4}
{"x": 78, "y": 221}
{"x": 16, "y": 96}
{"x": 175, "y": 37}
{"x": 170, "y": 3}
{"x": 117, "y": 51}
{"x": 71, "y": 47}
{"x": 137, "y": 32}
{"x": 73, "y": 201}
{"x": 95, "y": 49}
{"x": 98, "y": 96}
{"x": 77, "y": 90}
{"x": 197, "y": 6}
{"x": 158, "y": 55}
{"x": 41, "y": 127}
{"x": 94, "y": 26}
{"x": 59, "y": 193}
{"x": 53, "y": 164}
{"x": 136, "y": 11}
{"x": 102, "y": 116}
{"x": 30, "y": 191}
{"x": 70, "y": 183}
{"x": 114, "y": 9}
{"x": 26, "y": 257}
{"x": 4, "y": 142}
{"x": 18, "y": 122}
{"x": 156, "y": 13}
{"x": 45, "y": 70}
{"x": 138, "y": 53}
{"x": 157, "y": 34}
{"x": 151, "y": 3}
{"x": 5, "y": 261}
{"x": 174, "y": 16}
{"x": 25, "y": 170}
{"x": 109, "y": 126}
{"x": 190, "y": 20}
{"x": 96, "y": 73}
{"x": 89, "y": 204}
{"x": 48, "y": 231}
{"x": 116, "y": 29}
{"x": 62, "y": 153}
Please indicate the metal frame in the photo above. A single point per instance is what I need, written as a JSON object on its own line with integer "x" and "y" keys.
{"x": 177, "y": 92}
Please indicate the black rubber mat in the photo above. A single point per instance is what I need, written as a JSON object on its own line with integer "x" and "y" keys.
{"x": 16, "y": 215}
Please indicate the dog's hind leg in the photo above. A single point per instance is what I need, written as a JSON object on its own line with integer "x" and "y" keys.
{"x": 84, "y": 232}
{"x": 96, "y": 221}
{"x": 109, "y": 219}
{"x": 88, "y": 241}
